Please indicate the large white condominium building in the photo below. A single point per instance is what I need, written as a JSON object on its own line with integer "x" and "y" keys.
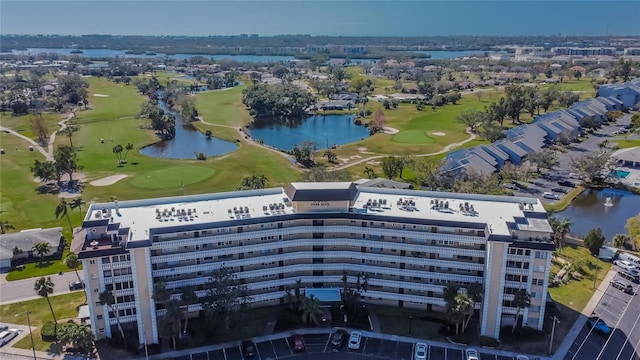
{"x": 411, "y": 244}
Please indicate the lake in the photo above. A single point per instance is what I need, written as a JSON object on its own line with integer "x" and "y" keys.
{"x": 322, "y": 129}
{"x": 187, "y": 142}
{"x": 588, "y": 211}
{"x": 444, "y": 54}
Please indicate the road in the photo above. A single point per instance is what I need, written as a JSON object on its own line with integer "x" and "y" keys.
{"x": 21, "y": 290}
{"x": 620, "y": 311}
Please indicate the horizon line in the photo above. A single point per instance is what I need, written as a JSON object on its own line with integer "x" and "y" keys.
{"x": 333, "y": 36}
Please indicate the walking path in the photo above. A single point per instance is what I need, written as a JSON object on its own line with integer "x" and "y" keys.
{"x": 48, "y": 154}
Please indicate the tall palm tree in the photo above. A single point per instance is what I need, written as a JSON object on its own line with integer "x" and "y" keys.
{"x": 187, "y": 298}
{"x": 310, "y": 310}
{"x": 118, "y": 151}
{"x": 72, "y": 262}
{"x": 62, "y": 209}
{"x": 41, "y": 249}
{"x": 564, "y": 227}
{"x": 77, "y": 203}
{"x": 129, "y": 147}
{"x": 106, "y": 298}
{"x": 5, "y": 225}
{"x": 521, "y": 300}
{"x": 171, "y": 320}
{"x": 464, "y": 304}
{"x": 454, "y": 316}
{"x": 44, "y": 287}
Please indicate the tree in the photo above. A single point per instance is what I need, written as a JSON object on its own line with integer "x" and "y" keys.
{"x": 304, "y": 152}
{"x": 118, "y": 151}
{"x": 521, "y": 300}
{"x": 226, "y": 297}
{"x": 331, "y": 156}
{"x": 544, "y": 160}
{"x": 633, "y": 227}
{"x": 594, "y": 240}
{"x": 5, "y": 225}
{"x": 449, "y": 295}
{"x": 62, "y": 209}
{"x": 66, "y": 160}
{"x": 369, "y": 172}
{"x": 378, "y": 121}
{"x": 68, "y": 132}
{"x": 171, "y": 320}
{"x": 577, "y": 74}
{"x": 497, "y": 111}
{"x": 515, "y": 101}
{"x": 106, "y": 298}
{"x": 187, "y": 298}
{"x": 311, "y": 310}
{"x": 40, "y": 128}
{"x": 45, "y": 170}
{"x": 44, "y": 287}
{"x": 635, "y": 122}
{"x": 454, "y": 316}
{"x": 471, "y": 119}
{"x": 73, "y": 263}
{"x": 390, "y": 166}
{"x": 129, "y": 147}
{"x": 253, "y": 182}
{"x": 619, "y": 240}
{"x": 77, "y": 334}
{"x": 590, "y": 166}
{"x": 41, "y": 249}
{"x": 17, "y": 251}
{"x": 465, "y": 305}
{"x": 427, "y": 172}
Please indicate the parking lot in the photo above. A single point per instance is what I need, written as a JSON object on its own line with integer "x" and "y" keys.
{"x": 318, "y": 346}
{"x": 620, "y": 312}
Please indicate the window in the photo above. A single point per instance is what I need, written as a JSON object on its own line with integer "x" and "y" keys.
{"x": 92, "y": 261}
{"x": 99, "y": 317}
{"x": 106, "y": 260}
{"x": 101, "y": 330}
{"x": 541, "y": 254}
{"x": 96, "y": 290}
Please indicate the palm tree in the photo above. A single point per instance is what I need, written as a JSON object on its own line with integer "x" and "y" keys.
{"x": 129, "y": 147}
{"x": 106, "y": 298}
{"x": 454, "y": 316}
{"x": 464, "y": 304}
{"x": 618, "y": 241}
{"x": 62, "y": 209}
{"x": 77, "y": 203}
{"x": 521, "y": 300}
{"x": 44, "y": 287}
{"x": 310, "y": 310}
{"x": 16, "y": 251}
{"x": 369, "y": 172}
{"x": 72, "y": 262}
{"x": 187, "y": 298}
{"x": 564, "y": 227}
{"x": 171, "y": 320}
{"x": 118, "y": 151}
{"x": 41, "y": 249}
{"x": 5, "y": 225}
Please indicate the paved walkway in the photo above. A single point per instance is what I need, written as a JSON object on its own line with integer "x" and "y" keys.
{"x": 48, "y": 154}
{"x": 582, "y": 319}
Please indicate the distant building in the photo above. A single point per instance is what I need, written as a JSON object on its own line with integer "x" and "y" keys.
{"x": 586, "y": 51}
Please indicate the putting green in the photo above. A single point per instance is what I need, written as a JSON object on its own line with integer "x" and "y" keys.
{"x": 172, "y": 177}
{"x": 413, "y": 137}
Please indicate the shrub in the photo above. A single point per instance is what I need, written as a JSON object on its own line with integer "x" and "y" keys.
{"x": 488, "y": 341}
{"x": 48, "y": 331}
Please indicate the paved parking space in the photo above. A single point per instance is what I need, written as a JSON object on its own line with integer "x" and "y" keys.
{"x": 437, "y": 353}
{"x": 388, "y": 349}
{"x": 316, "y": 342}
{"x": 281, "y": 347}
{"x": 372, "y": 347}
{"x": 405, "y": 351}
{"x": 233, "y": 353}
{"x": 266, "y": 350}
{"x": 216, "y": 355}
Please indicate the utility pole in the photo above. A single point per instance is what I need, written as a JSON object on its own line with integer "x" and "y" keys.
{"x": 553, "y": 330}
{"x": 33, "y": 347}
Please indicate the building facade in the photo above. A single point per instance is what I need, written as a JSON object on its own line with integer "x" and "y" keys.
{"x": 411, "y": 244}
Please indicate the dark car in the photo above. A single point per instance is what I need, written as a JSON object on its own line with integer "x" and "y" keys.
{"x": 338, "y": 338}
{"x": 248, "y": 348}
{"x": 76, "y": 285}
{"x": 297, "y": 342}
{"x": 560, "y": 190}
{"x": 599, "y": 326}
{"x": 566, "y": 183}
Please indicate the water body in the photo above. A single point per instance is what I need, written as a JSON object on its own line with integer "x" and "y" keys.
{"x": 322, "y": 129}
{"x": 187, "y": 142}
{"x": 110, "y": 53}
{"x": 588, "y": 211}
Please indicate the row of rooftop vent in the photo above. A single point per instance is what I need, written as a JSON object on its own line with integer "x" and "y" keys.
{"x": 273, "y": 207}
{"x": 375, "y": 203}
{"x": 175, "y": 212}
{"x": 104, "y": 213}
{"x": 525, "y": 206}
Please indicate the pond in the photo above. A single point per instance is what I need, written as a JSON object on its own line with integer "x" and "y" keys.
{"x": 588, "y": 211}
{"x": 322, "y": 129}
{"x": 187, "y": 142}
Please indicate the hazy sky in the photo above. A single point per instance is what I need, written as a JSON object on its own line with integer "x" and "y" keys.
{"x": 385, "y": 18}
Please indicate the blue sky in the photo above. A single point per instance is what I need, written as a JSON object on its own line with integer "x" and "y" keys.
{"x": 359, "y": 18}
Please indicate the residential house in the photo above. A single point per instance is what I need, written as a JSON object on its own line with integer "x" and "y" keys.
{"x": 515, "y": 152}
{"x": 628, "y": 93}
{"x": 24, "y": 241}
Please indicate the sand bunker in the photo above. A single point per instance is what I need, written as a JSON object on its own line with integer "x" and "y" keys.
{"x": 390, "y": 130}
{"x": 100, "y": 95}
{"x": 438, "y": 133}
{"x": 109, "y": 180}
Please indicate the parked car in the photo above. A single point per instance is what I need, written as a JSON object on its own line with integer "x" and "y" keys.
{"x": 550, "y": 195}
{"x": 298, "y": 343}
{"x": 338, "y": 338}
{"x": 420, "y": 352}
{"x": 599, "y": 326}
{"x": 624, "y": 264}
{"x": 630, "y": 275}
{"x": 4, "y": 327}
{"x": 354, "y": 340}
{"x": 7, "y": 335}
{"x": 76, "y": 285}
{"x": 621, "y": 285}
{"x": 248, "y": 348}
{"x": 471, "y": 354}
{"x": 522, "y": 357}
{"x": 560, "y": 190}
{"x": 510, "y": 186}
{"x": 574, "y": 176}
{"x": 566, "y": 183}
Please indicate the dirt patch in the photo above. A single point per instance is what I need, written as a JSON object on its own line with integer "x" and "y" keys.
{"x": 109, "y": 180}
{"x": 100, "y": 95}
{"x": 373, "y": 162}
{"x": 438, "y": 133}
{"x": 355, "y": 157}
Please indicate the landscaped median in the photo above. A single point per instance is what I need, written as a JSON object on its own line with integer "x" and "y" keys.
{"x": 65, "y": 307}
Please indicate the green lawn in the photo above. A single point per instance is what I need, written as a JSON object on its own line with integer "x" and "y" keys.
{"x": 44, "y": 268}
{"x": 65, "y": 306}
{"x": 577, "y": 293}
{"x": 397, "y": 321}
{"x": 223, "y": 107}
{"x": 623, "y": 144}
{"x": 22, "y": 124}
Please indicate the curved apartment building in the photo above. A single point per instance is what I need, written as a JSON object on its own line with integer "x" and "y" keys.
{"x": 411, "y": 244}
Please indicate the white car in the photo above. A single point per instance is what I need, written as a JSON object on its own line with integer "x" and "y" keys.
{"x": 472, "y": 354}
{"x": 522, "y": 357}
{"x": 624, "y": 264}
{"x": 354, "y": 340}
{"x": 7, "y": 335}
{"x": 421, "y": 352}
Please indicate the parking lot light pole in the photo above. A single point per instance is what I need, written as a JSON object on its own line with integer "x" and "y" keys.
{"x": 553, "y": 329}
{"x": 33, "y": 347}
{"x": 410, "y": 323}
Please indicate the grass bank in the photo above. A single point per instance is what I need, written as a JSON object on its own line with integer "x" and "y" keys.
{"x": 564, "y": 202}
